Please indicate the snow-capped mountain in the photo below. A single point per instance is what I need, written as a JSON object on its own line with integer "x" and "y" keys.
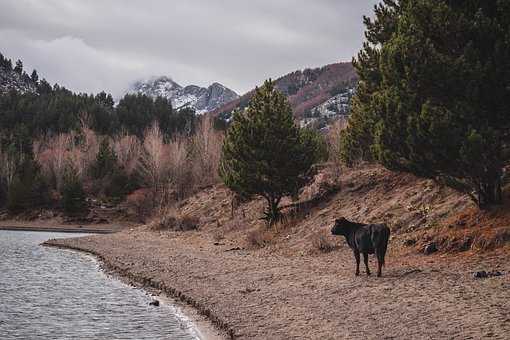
{"x": 201, "y": 99}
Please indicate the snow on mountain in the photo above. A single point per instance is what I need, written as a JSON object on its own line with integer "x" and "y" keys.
{"x": 200, "y": 99}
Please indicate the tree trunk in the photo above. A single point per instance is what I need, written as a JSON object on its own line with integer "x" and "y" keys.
{"x": 272, "y": 212}
{"x": 490, "y": 193}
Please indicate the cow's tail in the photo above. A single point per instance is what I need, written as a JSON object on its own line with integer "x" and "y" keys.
{"x": 381, "y": 252}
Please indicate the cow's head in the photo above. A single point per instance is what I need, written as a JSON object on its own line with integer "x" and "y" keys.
{"x": 340, "y": 226}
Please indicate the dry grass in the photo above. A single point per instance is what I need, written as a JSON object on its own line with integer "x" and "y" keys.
{"x": 471, "y": 239}
{"x": 474, "y": 229}
{"x": 259, "y": 237}
{"x": 170, "y": 219}
{"x": 492, "y": 241}
{"x": 218, "y": 236}
{"x": 322, "y": 243}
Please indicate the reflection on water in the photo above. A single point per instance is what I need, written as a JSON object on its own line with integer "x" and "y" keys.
{"x": 49, "y": 293}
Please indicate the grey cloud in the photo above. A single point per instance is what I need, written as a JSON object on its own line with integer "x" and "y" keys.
{"x": 94, "y": 45}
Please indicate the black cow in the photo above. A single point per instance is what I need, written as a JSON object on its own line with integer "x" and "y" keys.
{"x": 365, "y": 239}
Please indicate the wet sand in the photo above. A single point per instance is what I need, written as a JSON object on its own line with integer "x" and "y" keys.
{"x": 58, "y": 226}
{"x": 256, "y": 294}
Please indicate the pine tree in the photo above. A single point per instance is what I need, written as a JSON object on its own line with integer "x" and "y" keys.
{"x": 34, "y": 77}
{"x": 106, "y": 161}
{"x": 434, "y": 97}
{"x": 28, "y": 188}
{"x": 73, "y": 195}
{"x": 19, "y": 67}
{"x": 264, "y": 153}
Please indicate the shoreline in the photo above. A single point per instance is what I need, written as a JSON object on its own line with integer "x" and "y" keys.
{"x": 57, "y": 225}
{"x": 204, "y": 323}
{"x": 60, "y": 229}
{"x": 250, "y": 294}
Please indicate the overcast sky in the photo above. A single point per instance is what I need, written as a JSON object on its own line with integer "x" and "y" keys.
{"x": 94, "y": 45}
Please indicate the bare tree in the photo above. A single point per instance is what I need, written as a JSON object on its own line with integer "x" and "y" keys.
{"x": 206, "y": 146}
{"x": 53, "y": 155}
{"x": 128, "y": 150}
{"x": 8, "y": 164}
{"x": 154, "y": 160}
{"x": 180, "y": 179}
{"x": 333, "y": 141}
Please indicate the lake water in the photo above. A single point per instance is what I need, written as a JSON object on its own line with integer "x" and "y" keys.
{"x": 50, "y": 293}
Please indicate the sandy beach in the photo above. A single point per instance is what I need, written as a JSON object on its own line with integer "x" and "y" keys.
{"x": 256, "y": 294}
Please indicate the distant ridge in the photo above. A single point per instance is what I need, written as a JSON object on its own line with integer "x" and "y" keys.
{"x": 306, "y": 89}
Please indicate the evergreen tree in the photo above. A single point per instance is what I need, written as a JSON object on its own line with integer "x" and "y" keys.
{"x": 73, "y": 195}
{"x": 433, "y": 97}
{"x": 34, "y": 77}
{"x": 19, "y": 67}
{"x": 28, "y": 189}
{"x": 5, "y": 63}
{"x": 44, "y": 87}
{"x": 106, "y": 161}
{"x": 264, "y": 153}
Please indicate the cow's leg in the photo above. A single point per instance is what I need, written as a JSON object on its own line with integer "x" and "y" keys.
{"x": 379, "y": 266}
{"x": 356, "y": 256}
{"x": 365, "y": 259}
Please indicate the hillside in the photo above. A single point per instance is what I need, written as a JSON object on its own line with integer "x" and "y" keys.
{"x": 289, "y": 281}
{"x": 307, "y": 90}
{"x": 201, "y": 99}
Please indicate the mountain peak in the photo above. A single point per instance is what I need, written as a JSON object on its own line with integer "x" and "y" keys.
{"x": 200, "y": 99}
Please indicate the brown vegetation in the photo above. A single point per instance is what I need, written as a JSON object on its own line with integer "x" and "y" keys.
{"x": 169, "y": 170}
{"x": 171, "y": 219}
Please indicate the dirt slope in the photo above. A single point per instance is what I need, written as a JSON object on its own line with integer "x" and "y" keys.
{"x": 290, "y": 290}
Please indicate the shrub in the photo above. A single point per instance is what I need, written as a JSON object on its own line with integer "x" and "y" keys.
{"x": 171, "y": 220}
{"x": 140, "y": 201}
{"x": 259, "y": 238}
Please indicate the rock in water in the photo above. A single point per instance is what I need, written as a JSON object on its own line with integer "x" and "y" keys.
{"x": 154, "y": 303}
